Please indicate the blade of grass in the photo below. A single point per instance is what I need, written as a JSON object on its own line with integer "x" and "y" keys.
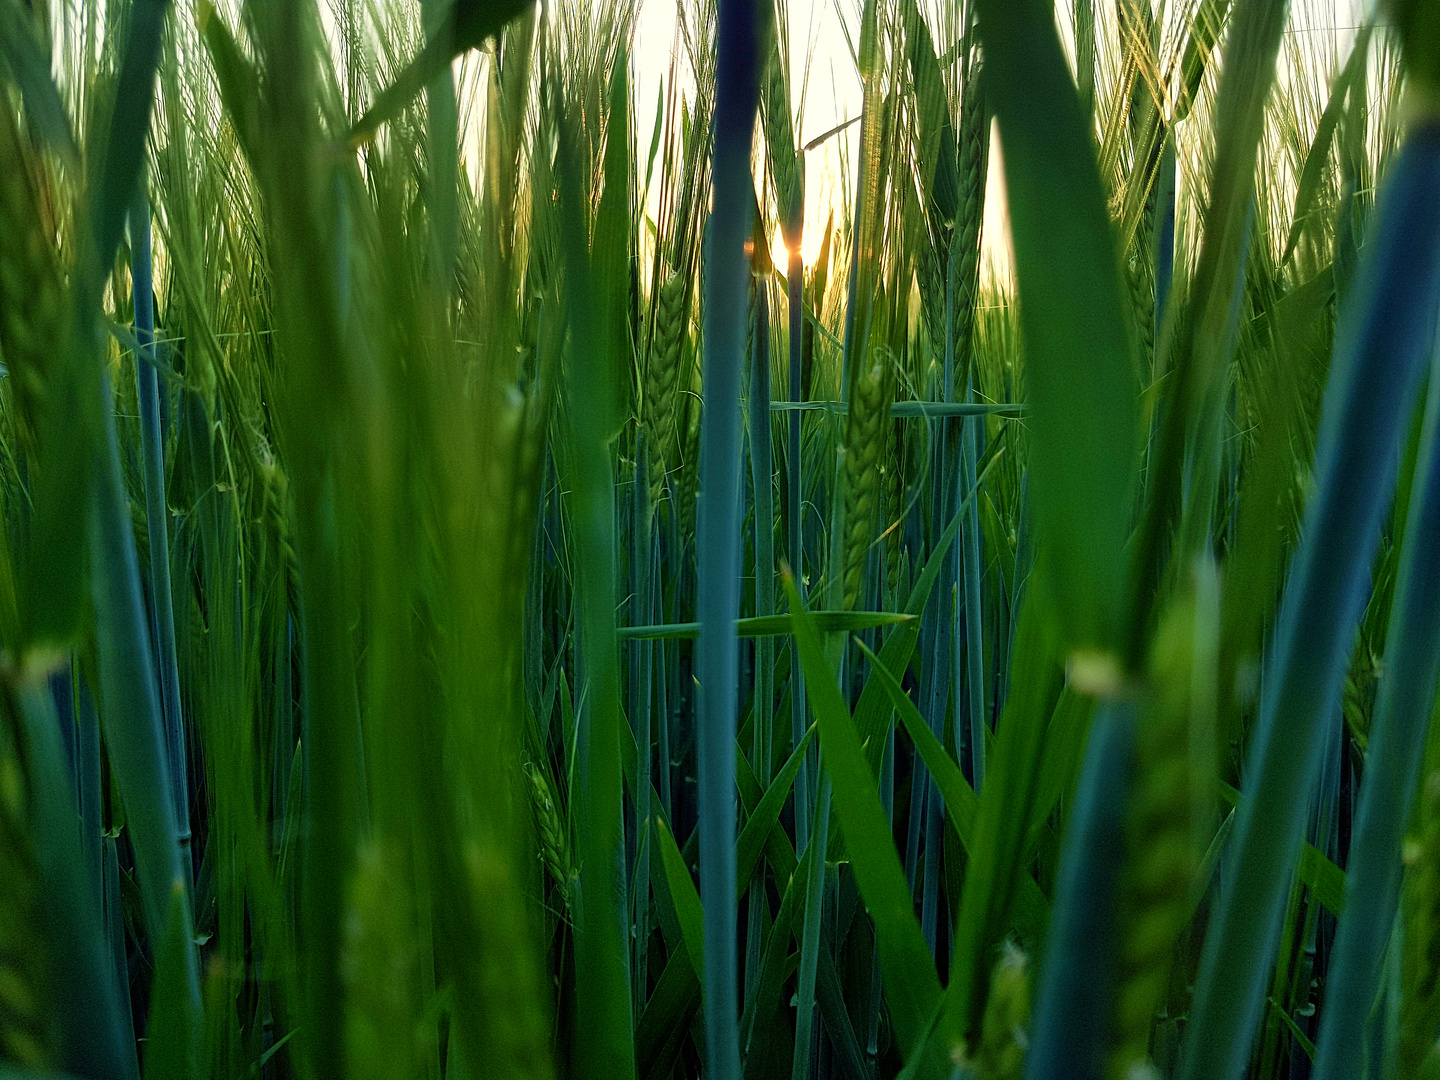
{"x": 912, "y": 988}
{"x": 1392, "y": 770}
{"x": 89, "y": 1012}
{"x": 1082, "y": 393}
{"x": 961, "y": 801}
{"x": 1077, "y": 993}
{"x": 1377, "y": 364}
{"x": 996, "y": 862}
{"x": 1318, "y": 156}
{"x": 810, "y": 929}
{"x": 604, "y": 1045}
{"x": 157, "y": 512}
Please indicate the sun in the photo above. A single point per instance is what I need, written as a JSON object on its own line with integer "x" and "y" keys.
{"x": 809, "y": 248}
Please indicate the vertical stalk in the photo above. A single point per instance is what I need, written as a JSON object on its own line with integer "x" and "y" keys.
{"x": 974, "y": 674}
{"x": 810, "y": 935}
{"x": 129, "y": 701}
{"x": 1077, "y": 992}
{"x": 717, "y": 524}
{"x": 794, "y": 497}
{"x": 641, "y": 657}
{"x": 940, "y": 619}
{"x": 91, "y": 1018}
{"x": 887, "y": 798}
{"x": 1397, "y": 746}
{"x": 761, "y": 467}
{"x": 157, "y": 516}
{"x": 1085, "y": 59}
{"x": 1378, "y": 363}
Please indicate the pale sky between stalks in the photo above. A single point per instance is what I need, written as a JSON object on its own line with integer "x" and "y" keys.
{"x": 832, "y": 95}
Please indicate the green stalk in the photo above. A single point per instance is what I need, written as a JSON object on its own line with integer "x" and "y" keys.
{"x": 642, "y": 662}
{"x": 604, "y": 1046}
{"x": 794, "y": 496}
{"x": 717, "y": 519}
{"x": 130, "y": 709}
{"x": 90, "y": 1012}
{"x": 810, "y": 935}
{"x": 157, "y": 514}
{"x": 970, "y": 567}
{"x": 1084, "y": 17}
{"x": 1374, "y": 375}
{"x": 1392, "y": 769}
{"x": 942, "y": 628}
{"x": 129, "y": 704}
{"x": 762, "y": 477}
{"x": 1077, "y": 994}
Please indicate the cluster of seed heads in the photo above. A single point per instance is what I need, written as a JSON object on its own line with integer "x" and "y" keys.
{"x": 1159, "y": 859}
{"x": 965, "y": 241}
{"x": 31, "y": 298}
{"x": 864, "y": 448}
{"x": 1003, "y": 1039}
{"x": 550, "y": 830}
{"x": 662, "y": 377}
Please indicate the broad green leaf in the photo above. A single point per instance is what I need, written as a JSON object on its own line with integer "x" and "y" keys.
{"x": 960, "y": 799}
{"x": 911, "y": 985}
{"x": 761, "y": 822}
{"x": 682, "y": 893}
{"x": 1082, "y": 422}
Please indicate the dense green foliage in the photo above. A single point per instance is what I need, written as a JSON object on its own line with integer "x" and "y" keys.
{"x": 1021, "y": 669}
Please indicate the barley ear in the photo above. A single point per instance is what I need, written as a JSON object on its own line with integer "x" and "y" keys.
{"x": 550, "y": 832}
{"x": 662, "y": 379}
{"x": 864, "y": 450}
{"x": 1160, "y": 859}
{"x": 1007, "y": 1013}
{"x": 31, "y": 300}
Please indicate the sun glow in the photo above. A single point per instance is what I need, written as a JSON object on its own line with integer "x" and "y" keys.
{"x": 810, "y": 243}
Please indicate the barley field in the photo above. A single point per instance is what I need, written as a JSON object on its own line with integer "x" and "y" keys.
{"x": 484, "y": 593}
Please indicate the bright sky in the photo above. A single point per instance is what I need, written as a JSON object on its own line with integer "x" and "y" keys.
{"x": 832, "y": 94}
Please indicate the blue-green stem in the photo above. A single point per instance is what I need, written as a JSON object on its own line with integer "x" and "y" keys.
{"x": 1392, "y": 768}
{"x": 717, "y": 518}
{"x": 971, "y": 429}
{"x": 157, "y": 516}
{"x": 90, "y": 1018}
{"x": 1077, "y": 990}
{"x": 761, "y": 467}
{"x": 641, "y": 660}
{"x": 942, "y": 628}
{"x": 1380, "y": 349}
{"x": 810, "y": 935}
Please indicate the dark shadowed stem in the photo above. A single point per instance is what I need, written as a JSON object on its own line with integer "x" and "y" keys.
{"x": 157, "y": 515}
